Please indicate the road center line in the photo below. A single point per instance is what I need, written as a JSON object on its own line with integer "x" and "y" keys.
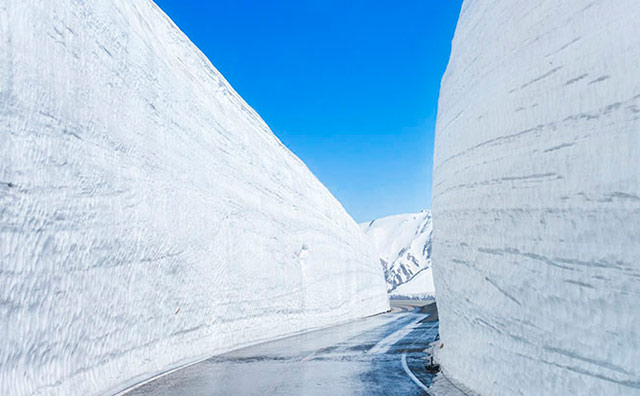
{"x": 386, "y": 343}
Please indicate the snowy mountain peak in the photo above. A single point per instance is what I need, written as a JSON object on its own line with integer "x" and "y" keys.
{"x": 403, "y": 243}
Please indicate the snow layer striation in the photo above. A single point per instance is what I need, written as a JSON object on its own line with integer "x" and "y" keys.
{"x": 403, "y": 243}
{"x": 536, "y": 202}
{"x": 148, "y": 216}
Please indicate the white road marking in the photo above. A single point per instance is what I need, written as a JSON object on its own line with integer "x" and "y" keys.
{"x": 415, "y": 379}
{"x": 386, "y": 343}
{"x": 405, "y": 366}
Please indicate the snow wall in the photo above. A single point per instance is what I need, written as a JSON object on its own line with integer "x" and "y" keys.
{"x": 536, "y": 204}
{"x": 148, "y": 216}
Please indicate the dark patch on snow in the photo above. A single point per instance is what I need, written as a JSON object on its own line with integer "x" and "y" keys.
{"x": 575, "y": 80}
{"x": 599, "y": 79}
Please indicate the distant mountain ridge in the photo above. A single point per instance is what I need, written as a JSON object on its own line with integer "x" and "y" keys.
{"x": 403, "y": 243}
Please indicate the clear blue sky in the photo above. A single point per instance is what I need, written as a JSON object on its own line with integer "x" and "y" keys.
{"x": 351, "y": 87}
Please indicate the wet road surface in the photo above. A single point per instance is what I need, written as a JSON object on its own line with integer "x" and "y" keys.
{"x": 380, "y": 355}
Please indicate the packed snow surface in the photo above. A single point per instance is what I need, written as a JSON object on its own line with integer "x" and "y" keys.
{"x": 403, "y": 243}
{"x": 148, "y": 216}
{"x": 536, "y": 203}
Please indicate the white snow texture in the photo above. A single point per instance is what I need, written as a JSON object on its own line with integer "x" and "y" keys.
{"x": 536, "y": 204}
{"x": 403, "y": 243}
{"x": 148, "y": 216}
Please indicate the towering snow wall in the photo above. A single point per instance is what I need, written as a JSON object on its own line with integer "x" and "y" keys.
{"x": 536, "y": 204}
{"x": 148, "y": 216}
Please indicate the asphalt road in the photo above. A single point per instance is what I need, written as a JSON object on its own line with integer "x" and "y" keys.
{"x": 380, "y": 355}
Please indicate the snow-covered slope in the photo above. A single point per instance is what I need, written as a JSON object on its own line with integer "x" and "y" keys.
{"x": 403, "y": 243}
{"x": 536, "y": 204}
{"x": 148, "y": 216}
{"x": 418, "y": 287}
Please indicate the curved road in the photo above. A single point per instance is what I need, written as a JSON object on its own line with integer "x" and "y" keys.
{"x": 380, "y": 355}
